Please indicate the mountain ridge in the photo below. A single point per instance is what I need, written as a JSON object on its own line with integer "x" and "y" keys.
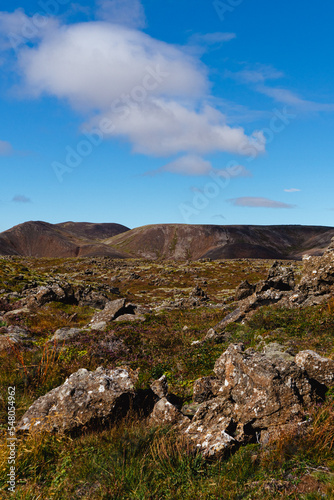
{"x": 164, "y": 241}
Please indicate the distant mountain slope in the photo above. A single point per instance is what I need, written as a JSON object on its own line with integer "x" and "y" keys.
{"x": 182, "y": 241}
{"x": 165, "y": 241}
{"x": 69, "y": 239}
{"x": 92, "y": 231}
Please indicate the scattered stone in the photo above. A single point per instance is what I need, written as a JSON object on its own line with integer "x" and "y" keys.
{"x": 64, "y": 334}
{"x": 111, "y": 310}
{"x": 165, "y": 413}
{"x": 131, "y": 317}
{"x": 85, "y": 400}
{"x": 160, "y": 387}
{"x": 14, "y": 335}
{"x": 16, "y": 313}
{"x": 244, "y": 290}
{"x": 117, "y": 310}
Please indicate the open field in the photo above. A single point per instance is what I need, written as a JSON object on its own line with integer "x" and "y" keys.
{"x": 132, "y": 460}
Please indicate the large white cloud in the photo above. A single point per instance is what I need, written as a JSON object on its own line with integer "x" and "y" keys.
{"x": 153, "y": 93}
{"x": 91, "y": 64}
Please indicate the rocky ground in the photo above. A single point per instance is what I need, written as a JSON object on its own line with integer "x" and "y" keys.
{"x": 222, "y": 358}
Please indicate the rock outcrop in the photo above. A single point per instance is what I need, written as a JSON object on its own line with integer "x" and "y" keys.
{"x": 85, "y": 400}
{"x": 251, "y": 394}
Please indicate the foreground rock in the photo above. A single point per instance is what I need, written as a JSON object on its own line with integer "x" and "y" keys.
{"x": 86, "y": 400}
{"x": 254, "y": 396}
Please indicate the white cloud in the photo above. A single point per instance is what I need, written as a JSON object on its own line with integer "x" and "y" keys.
{"x": 92, "y": 64}
{"x": 5, "y": 148}
{"x": 21, "y": 198}
{"x": 188, "y": 165}
{"x": 292, "y": 190}
{"x": 253, "y": 202}
{"x": 126, "y": 12}
{"x": 195, "y": 165}
{"x": 161, "y": 127}
{"x": 16, "y": 28}
{"x": 154, "y": 93}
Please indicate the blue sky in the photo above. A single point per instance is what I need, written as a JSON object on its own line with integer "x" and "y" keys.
{"x": 203, "y": 112}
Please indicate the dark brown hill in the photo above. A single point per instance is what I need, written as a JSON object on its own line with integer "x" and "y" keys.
{"x": 165, "y": 241}
{"x": 182, "y": 241}
{"x": 92, "y": 231}
{"x": 41, "y": 239}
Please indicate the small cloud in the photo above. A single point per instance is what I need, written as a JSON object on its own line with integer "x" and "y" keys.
{"x": 252, "y": 202}
{"x": 20, "y": 198}
{"x": 188, "y": 165}
{"x": 196, "y": 165}
{"x": 292, "y": 190}
{"x": 5, "y": 148}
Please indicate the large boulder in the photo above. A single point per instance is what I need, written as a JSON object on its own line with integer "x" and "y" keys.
{"x": 252, "y": 395}
{"x": 85, "y": 400}
{"x": 317, "y": 367}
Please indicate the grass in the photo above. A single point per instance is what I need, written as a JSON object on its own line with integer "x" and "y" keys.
{"x": 133, "y": 460}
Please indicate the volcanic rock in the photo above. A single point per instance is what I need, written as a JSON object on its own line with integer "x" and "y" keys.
{"x": 85, "y": 400}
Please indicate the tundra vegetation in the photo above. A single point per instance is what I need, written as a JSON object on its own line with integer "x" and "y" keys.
{"x": 130, "y": 458}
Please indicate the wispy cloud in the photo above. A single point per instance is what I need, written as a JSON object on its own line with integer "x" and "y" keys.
{"x": 195, "y": 165}
{"x": 257, "y": 74}
{"x": 257, "y": 77}
{"x": 21, "y": 198}
{"x": 254, "y": 202}
{"x": 211, "y": 38}
{"x": 6, "y": 148}
{"x": 292, "y": 190}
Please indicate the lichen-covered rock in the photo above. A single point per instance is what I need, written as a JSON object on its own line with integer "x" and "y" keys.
{"x": 14, "y": 335}
{"x": 252, "y": 393}
{"x": 85, "y": 400}
{"x": 204, "y": 388}
{"x": 317, "y": 368}
{"x": 57, "y": 292}
{"x": 244, "y": 290}
{"x": 111, "y": 310}
{"x": 165, "y": 413}
{"x": 160, "y": 387}
{"x": 211, "y": 429}
{"x": 64, "y": 334}
{"x": 117, "y": 310}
